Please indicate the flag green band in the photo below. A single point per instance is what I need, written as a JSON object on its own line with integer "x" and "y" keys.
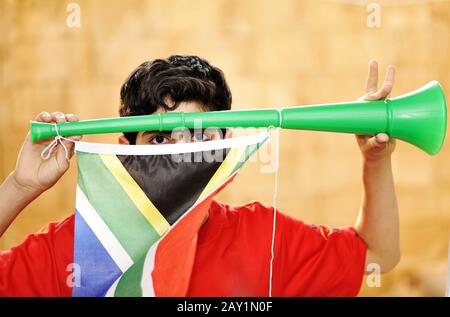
{"x": 119, "y": 214}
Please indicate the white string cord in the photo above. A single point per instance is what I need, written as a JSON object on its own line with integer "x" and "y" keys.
{"x": 274, "y": 222}
{"x": 47, "y": 152}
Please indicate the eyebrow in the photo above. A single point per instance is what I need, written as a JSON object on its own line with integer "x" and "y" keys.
{"x": 151, "y": 132}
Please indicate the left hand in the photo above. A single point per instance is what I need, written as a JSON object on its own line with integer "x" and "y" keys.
{"x": 380, "y": 146}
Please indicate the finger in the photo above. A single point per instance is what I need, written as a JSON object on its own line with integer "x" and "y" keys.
{"x": 372, "y": 80}
{"x": 43, "y": 116}
{"x": 72, "y": 117}
{"x": 380, "y": 94}
{"x": 362, "y": 136}
{"x": 390, "y": 75}
{"x": 389, "y": 80}
{"x": 58, "y": 117}
{"x": 362, "y": 139}
{"x": 382, "y": 138}
{"x": 70, "y": 148}
{"x": 372, "y": 143}
{"x": 63, "y": 161}
{"x": 65, "y": 151}
{"x": 386, "y": 88}
{"x": 75, "y": 137}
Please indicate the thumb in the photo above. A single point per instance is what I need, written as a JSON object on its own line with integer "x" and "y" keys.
{"x": 377, "y": 142}
{"x": 64, "y": 151}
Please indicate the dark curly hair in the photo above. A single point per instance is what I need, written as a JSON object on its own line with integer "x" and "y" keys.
{"x": 180, "y": 78}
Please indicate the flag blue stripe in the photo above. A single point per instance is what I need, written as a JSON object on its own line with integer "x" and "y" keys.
{"x": 98, "y": 270}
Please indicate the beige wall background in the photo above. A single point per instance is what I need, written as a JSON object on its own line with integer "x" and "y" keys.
{"x": 275, "y": 54}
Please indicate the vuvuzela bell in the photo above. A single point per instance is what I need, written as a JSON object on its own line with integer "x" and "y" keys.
{"x": 419, "y": 118}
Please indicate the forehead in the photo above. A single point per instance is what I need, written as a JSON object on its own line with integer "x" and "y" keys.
{"x": 185, "y": 106}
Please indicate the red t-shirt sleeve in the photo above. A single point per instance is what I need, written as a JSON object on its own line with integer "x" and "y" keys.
{"x": 37, "y": 267}
{"x": 316, "y": 260}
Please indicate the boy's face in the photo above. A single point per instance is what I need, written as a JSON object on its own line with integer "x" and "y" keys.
{"x": 179, "y": 136}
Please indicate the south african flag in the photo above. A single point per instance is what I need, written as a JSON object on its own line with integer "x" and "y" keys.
{"x": 139, "y": 208}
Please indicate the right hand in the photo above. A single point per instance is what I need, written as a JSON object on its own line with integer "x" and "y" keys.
{"x": 32, "y": 173}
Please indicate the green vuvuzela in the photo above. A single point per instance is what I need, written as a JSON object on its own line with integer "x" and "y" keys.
{"x": 419, "y": 118}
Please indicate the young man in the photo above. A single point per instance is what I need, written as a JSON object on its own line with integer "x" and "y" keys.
{"x": 234, "y": 242}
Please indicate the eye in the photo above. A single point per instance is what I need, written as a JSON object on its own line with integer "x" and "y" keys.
{"x": 200, "y": 136}
{"x": 159, "y": 139}
{"x": 208, "y": 134}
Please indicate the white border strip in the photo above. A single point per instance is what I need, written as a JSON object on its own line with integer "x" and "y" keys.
{"x": 103, "y": 233}
{"x": 158, "y": 149}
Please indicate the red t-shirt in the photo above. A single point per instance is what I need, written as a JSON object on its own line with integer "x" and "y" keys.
{"x": 233, "y": 257}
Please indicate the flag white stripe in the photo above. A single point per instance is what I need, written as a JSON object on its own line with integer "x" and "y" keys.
{"x": 112, "y": 290}
{"x": 103, "y": 233}
{"x": 160, "y": 149}
{"x": 149, "y": 264}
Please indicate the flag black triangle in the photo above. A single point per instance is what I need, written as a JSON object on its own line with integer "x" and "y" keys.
{"x": 172, "y": 182}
